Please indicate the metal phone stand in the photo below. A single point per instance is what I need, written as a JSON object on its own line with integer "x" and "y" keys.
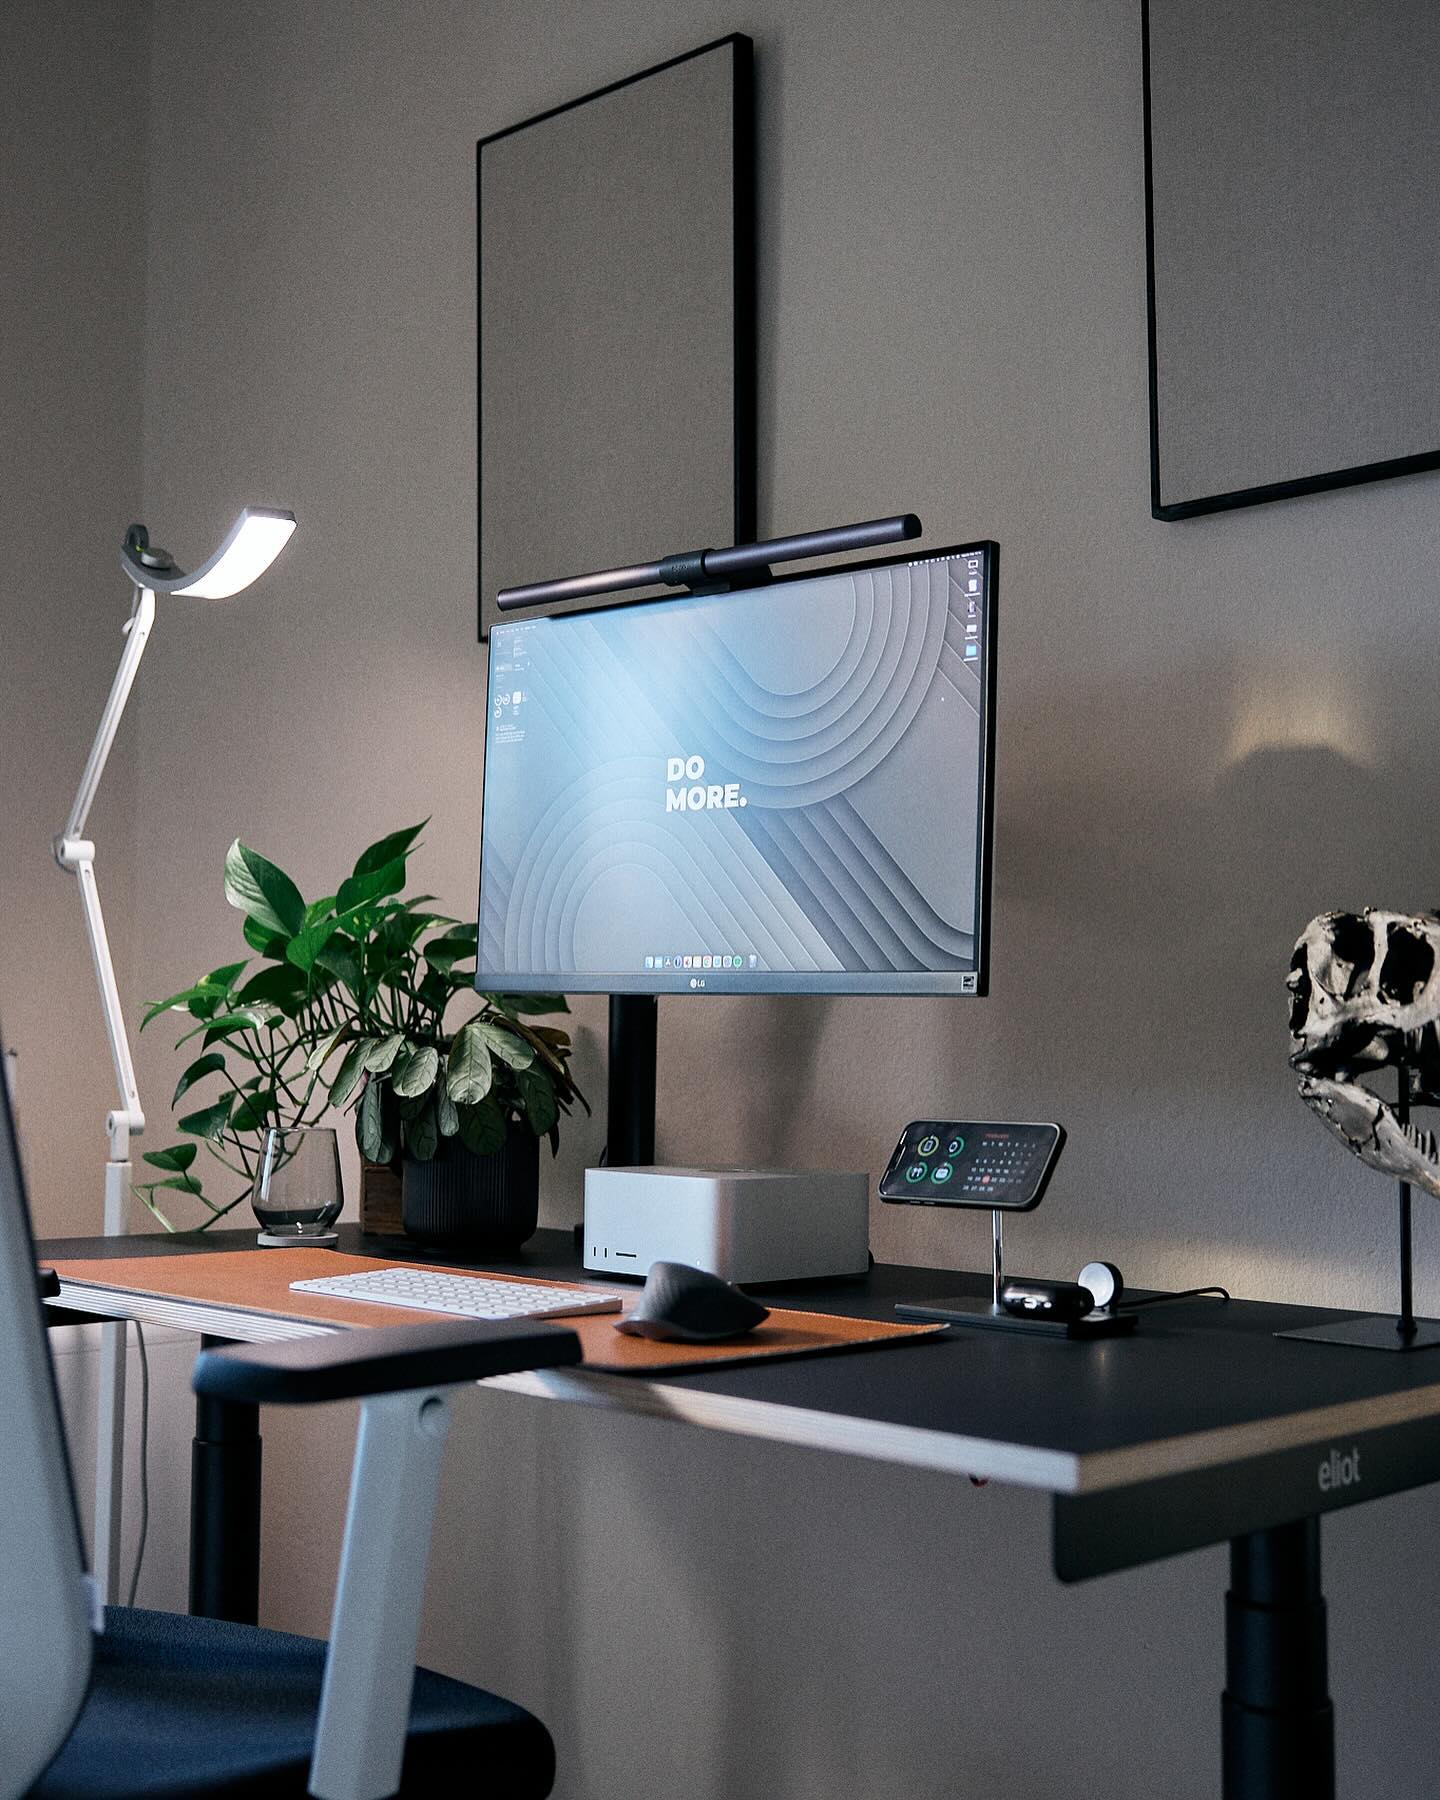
{"x": 990, "y": 1315}
{"x": 1379, "y": 1331}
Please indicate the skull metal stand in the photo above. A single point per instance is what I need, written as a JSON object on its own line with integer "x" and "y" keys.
{"x": 1364, "y": 997}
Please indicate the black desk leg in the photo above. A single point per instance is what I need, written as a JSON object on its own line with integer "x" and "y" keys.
{"x": 225, "y": 1509}
{"x": 1278, "y": 1733}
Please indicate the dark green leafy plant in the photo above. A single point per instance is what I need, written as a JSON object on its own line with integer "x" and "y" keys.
{"x": 368, "y": 978}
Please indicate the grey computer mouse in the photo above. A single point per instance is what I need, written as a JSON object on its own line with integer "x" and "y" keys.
{"x": 690, "y": 1306}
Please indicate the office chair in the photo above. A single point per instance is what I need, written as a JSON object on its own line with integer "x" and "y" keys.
{"x": 175, "y": 1708}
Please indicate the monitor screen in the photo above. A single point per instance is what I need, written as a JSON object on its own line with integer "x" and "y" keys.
{"x": 782, "y": 789}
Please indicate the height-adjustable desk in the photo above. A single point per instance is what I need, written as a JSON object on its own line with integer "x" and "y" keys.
{"x": 1201, "y": 1428}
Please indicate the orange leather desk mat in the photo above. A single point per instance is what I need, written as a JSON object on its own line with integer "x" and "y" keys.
{"x": 258, "y": 1281}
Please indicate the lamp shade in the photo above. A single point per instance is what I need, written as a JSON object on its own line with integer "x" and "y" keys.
{"x": 253, "y": 542}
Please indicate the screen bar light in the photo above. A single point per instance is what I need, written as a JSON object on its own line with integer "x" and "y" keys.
{"x": 702, "y": 568}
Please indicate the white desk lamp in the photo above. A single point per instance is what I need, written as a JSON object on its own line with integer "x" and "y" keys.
{"x": 254, "y": 541}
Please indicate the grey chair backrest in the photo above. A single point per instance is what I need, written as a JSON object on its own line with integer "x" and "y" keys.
{"x": 45, "y": 1641}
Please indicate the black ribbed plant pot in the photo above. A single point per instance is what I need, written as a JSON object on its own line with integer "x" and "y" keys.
{"x": 465, "y": 1201}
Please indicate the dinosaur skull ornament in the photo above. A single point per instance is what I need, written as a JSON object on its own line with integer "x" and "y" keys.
{"x": 1365, "y": 997}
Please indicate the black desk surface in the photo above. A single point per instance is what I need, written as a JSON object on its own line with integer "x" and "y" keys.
{"x": 1199, "y": 1427}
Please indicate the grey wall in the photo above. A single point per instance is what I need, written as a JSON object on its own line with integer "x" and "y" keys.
{"x": 1207, "y": 733}
{"x": 72, "y": 282}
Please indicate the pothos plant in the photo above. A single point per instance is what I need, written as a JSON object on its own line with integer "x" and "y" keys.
{"x": 367, "y": 978}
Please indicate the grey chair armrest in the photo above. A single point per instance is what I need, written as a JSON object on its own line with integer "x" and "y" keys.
{"x": 353, "y": 1364}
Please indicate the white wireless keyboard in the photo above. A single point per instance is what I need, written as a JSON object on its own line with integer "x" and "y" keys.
{"x": 461, "y": 1296}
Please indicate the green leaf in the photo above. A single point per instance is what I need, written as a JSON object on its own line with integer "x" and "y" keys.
{"x": 278, "y": 985}
{"x": 537, "y": 1096}
{"x": 308, "y": 942}
{"x": 454, "y": 946}
{"x": 422, "y": 1138}
{"x": 415, "y": 1072}
{"x": 177, "y": 1158}
{"x": 225, "y": 1025}
{"x": 186, "y": 1183}
{"x": 376, "y": 884}
{"x": 255, "y": 1112}
{"x": 504, "y": 1044}
{"x": 224, "y": 976}
{"x": 198, "y": 1070}
{"x": 530, "y": 1003}
{"x": 434, "y": 992}
{"x": 209, "y": 1122}
{"x": 228, "y": 1024}
{"x": 319, "y": 909}
{"x": 402, "y": 930}
{"x": 470, "y": 1071}
{"x": 262, "y": 892}
{"x": 341, "y": 957}
{"x": 387, "y": 849}
{"x": 182, "y": 1002}
{"x": 350, "y": 1071}
{"x": 320, "y": 1054}
{"x": 482, "y": 1128}
{"x": 268, "y": 943}
{"x": 374, "y": 1145}
{"x": 381, "y": 1052}
{"x": 446, "y": 1115}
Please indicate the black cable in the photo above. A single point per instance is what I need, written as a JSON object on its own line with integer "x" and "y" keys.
{"x": 144, "y": 1462}
{"x": 1184, "y": 1294}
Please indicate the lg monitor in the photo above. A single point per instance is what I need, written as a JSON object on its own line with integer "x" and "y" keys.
{"x": 779, "y": 789}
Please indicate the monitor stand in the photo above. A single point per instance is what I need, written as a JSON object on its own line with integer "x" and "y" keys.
{"x": 630, "y": 1100}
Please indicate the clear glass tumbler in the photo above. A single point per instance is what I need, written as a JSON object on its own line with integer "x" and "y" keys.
{"x": 297, "y": 1194}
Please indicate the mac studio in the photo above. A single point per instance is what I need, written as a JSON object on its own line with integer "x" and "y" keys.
{"x": 1104, "y": 301}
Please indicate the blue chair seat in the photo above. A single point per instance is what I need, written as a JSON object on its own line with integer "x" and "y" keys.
{"x": 180, "y": 1708}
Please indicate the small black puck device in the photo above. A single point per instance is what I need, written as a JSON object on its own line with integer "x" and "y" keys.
{"x": 1062, "y": 1301}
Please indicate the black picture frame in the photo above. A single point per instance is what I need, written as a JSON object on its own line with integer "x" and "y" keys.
{"x": 744, "y": 457}
{"x": 1173, "y": 508}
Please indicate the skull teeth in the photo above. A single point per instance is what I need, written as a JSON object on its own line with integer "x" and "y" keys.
{"x": 1423, "y": 1141}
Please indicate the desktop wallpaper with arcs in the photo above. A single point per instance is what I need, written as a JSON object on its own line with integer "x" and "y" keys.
{"x": 783, "y": 786}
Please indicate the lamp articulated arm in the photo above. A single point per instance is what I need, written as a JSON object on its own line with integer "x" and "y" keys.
{"x": 252, "y": 544}
{"x": 75, "y": 853}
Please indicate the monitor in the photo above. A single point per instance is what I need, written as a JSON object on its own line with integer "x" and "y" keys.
{"x": 778, "y": 789}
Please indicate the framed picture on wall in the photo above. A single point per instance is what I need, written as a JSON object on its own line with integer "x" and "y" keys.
{"x": 1292, "y": 210}
{"x": 616, "y": 281}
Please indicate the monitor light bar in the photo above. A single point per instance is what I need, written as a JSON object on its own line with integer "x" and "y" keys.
{"x": 712, "y": 568}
